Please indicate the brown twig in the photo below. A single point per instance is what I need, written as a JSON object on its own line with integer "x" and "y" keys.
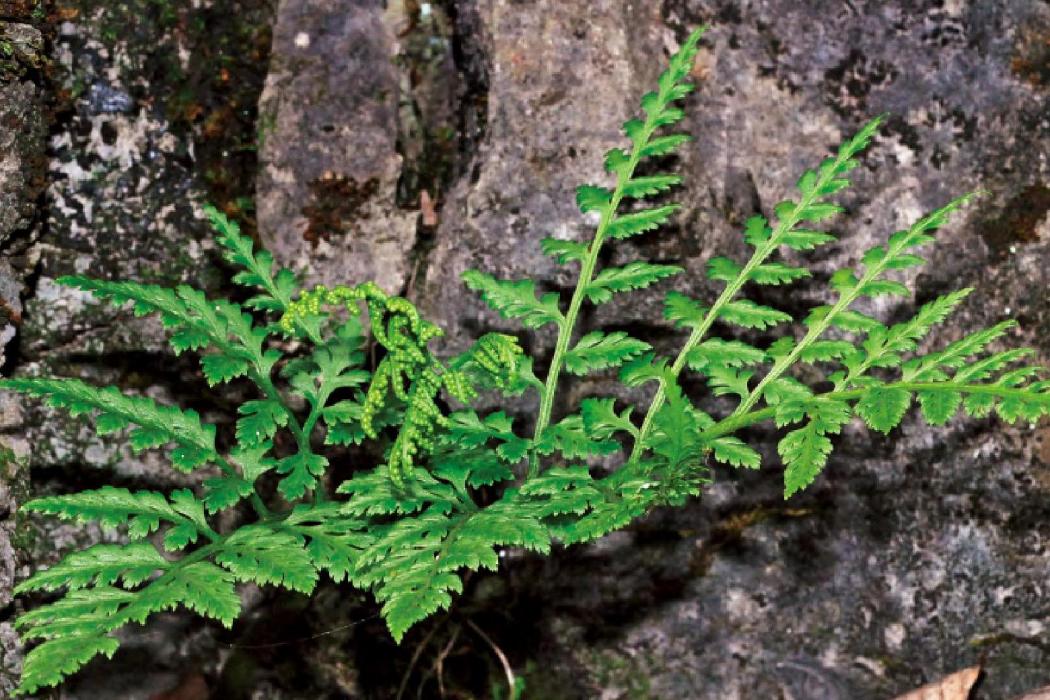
{"x": 507, "y": 670}
{"x": 439, "y": 664}
{"x": 415, "y": 659}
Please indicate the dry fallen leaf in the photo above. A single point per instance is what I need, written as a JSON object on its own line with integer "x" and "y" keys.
{"x": 954, "y": 687}
{"x": 1041, "y": 694}
{"x": 430, "y": 217}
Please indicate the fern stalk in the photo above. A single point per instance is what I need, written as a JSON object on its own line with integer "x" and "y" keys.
{"x": 567, "y": 326}
{"x": 762, "y": 252}
{"x": 299, "y": 432}
{"x": 739, "y": 420}
{"x": 846, "y": 298}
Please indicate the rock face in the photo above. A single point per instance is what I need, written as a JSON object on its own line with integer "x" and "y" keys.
{"x": 135, "y": 133}
{"x": 329, "y": 164}
{"x": 23, "y": 130}
{"x": 22, "y": 161}
{"x": 905, "y": 558}
{"x": 913, "y": 556}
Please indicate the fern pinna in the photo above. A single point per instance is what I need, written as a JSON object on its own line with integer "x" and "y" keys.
{"x": 407, "y": 528}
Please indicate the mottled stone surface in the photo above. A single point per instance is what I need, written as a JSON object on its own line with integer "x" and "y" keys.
{"x": 144, "y": 105}
{"x": 329, "y": 164}
{"x": 560, "y": 82}
{"x": 23, "y": 129}
{"x": 122, "y": 203}
{"x": 913, "y": 556}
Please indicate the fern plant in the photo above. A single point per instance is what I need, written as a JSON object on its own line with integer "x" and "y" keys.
{"x": 455, "y": 486}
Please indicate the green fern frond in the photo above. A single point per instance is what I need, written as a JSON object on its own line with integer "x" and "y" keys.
{"x": 805, "y": 240}
{"x": 455, "y": 484}
{"x": 302, "y": 470}
{"x": 777, "y": 274}
{"x": 597, "y": 351}
{"x": 49, "y": 664}
{"x": 79, "y": 612}
{"x": 413, "y": 565}
{"x": 850, "y": 288}
{"x": 225, "y": 492}
{"x": 260, "y": 554}
{"x": 259, "y": 421}
{"x": 955, "y": 355}
{"x": 155, "y": 424}
{"x": 826, "y": 351}
{"x": 221, "y": 493}
{"x": 747, "y": 314}
{"x": 99, "y": 565}
{"x": 637, "y": 222}
{"x": 805, "y": 450}
{"x": 646, "y": 368}
{"x": 635, "y": 275}
{"x": 518, "y": 298}
{"x": 677, "y": 429}
{"x": 563, "y": 251}
{"x": 938, "y": 407}
{"x": 515, "y": 299}
{"x": 194, "y": 322}
{"x": 683, "y": 310}
{"x": 466, "y": 429}
{"x": 733, "y": 451}
{"x": 278, "y": 286}
{"x": 333, "y": 540}
{"x": 601, "y": 420}
{"x": 805, "y": 453}
{"x": 726, "y": 381}
{"x": 723, "y": 353}
{"x": 562, "y": 491}
{"x": 373, "y": 493}
{"x": 569, "y": 437}
{"x": 644, "y": 186}
{"x": 142, "y": 512}
{"x": 813, "y": 186}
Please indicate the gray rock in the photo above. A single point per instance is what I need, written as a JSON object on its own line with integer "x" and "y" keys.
{"x": 912, "y": 555}
{"x": 25, "y": 127}
{"x": 14, "y": 541}
{"x": 10, "y": 657}
{"x": 22, "y": 161}
{"x": 23, "y": 131}
{"x": 326, "y": 191}
{"x": 122, "y": 203}
{"x": 562, "y": 79}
